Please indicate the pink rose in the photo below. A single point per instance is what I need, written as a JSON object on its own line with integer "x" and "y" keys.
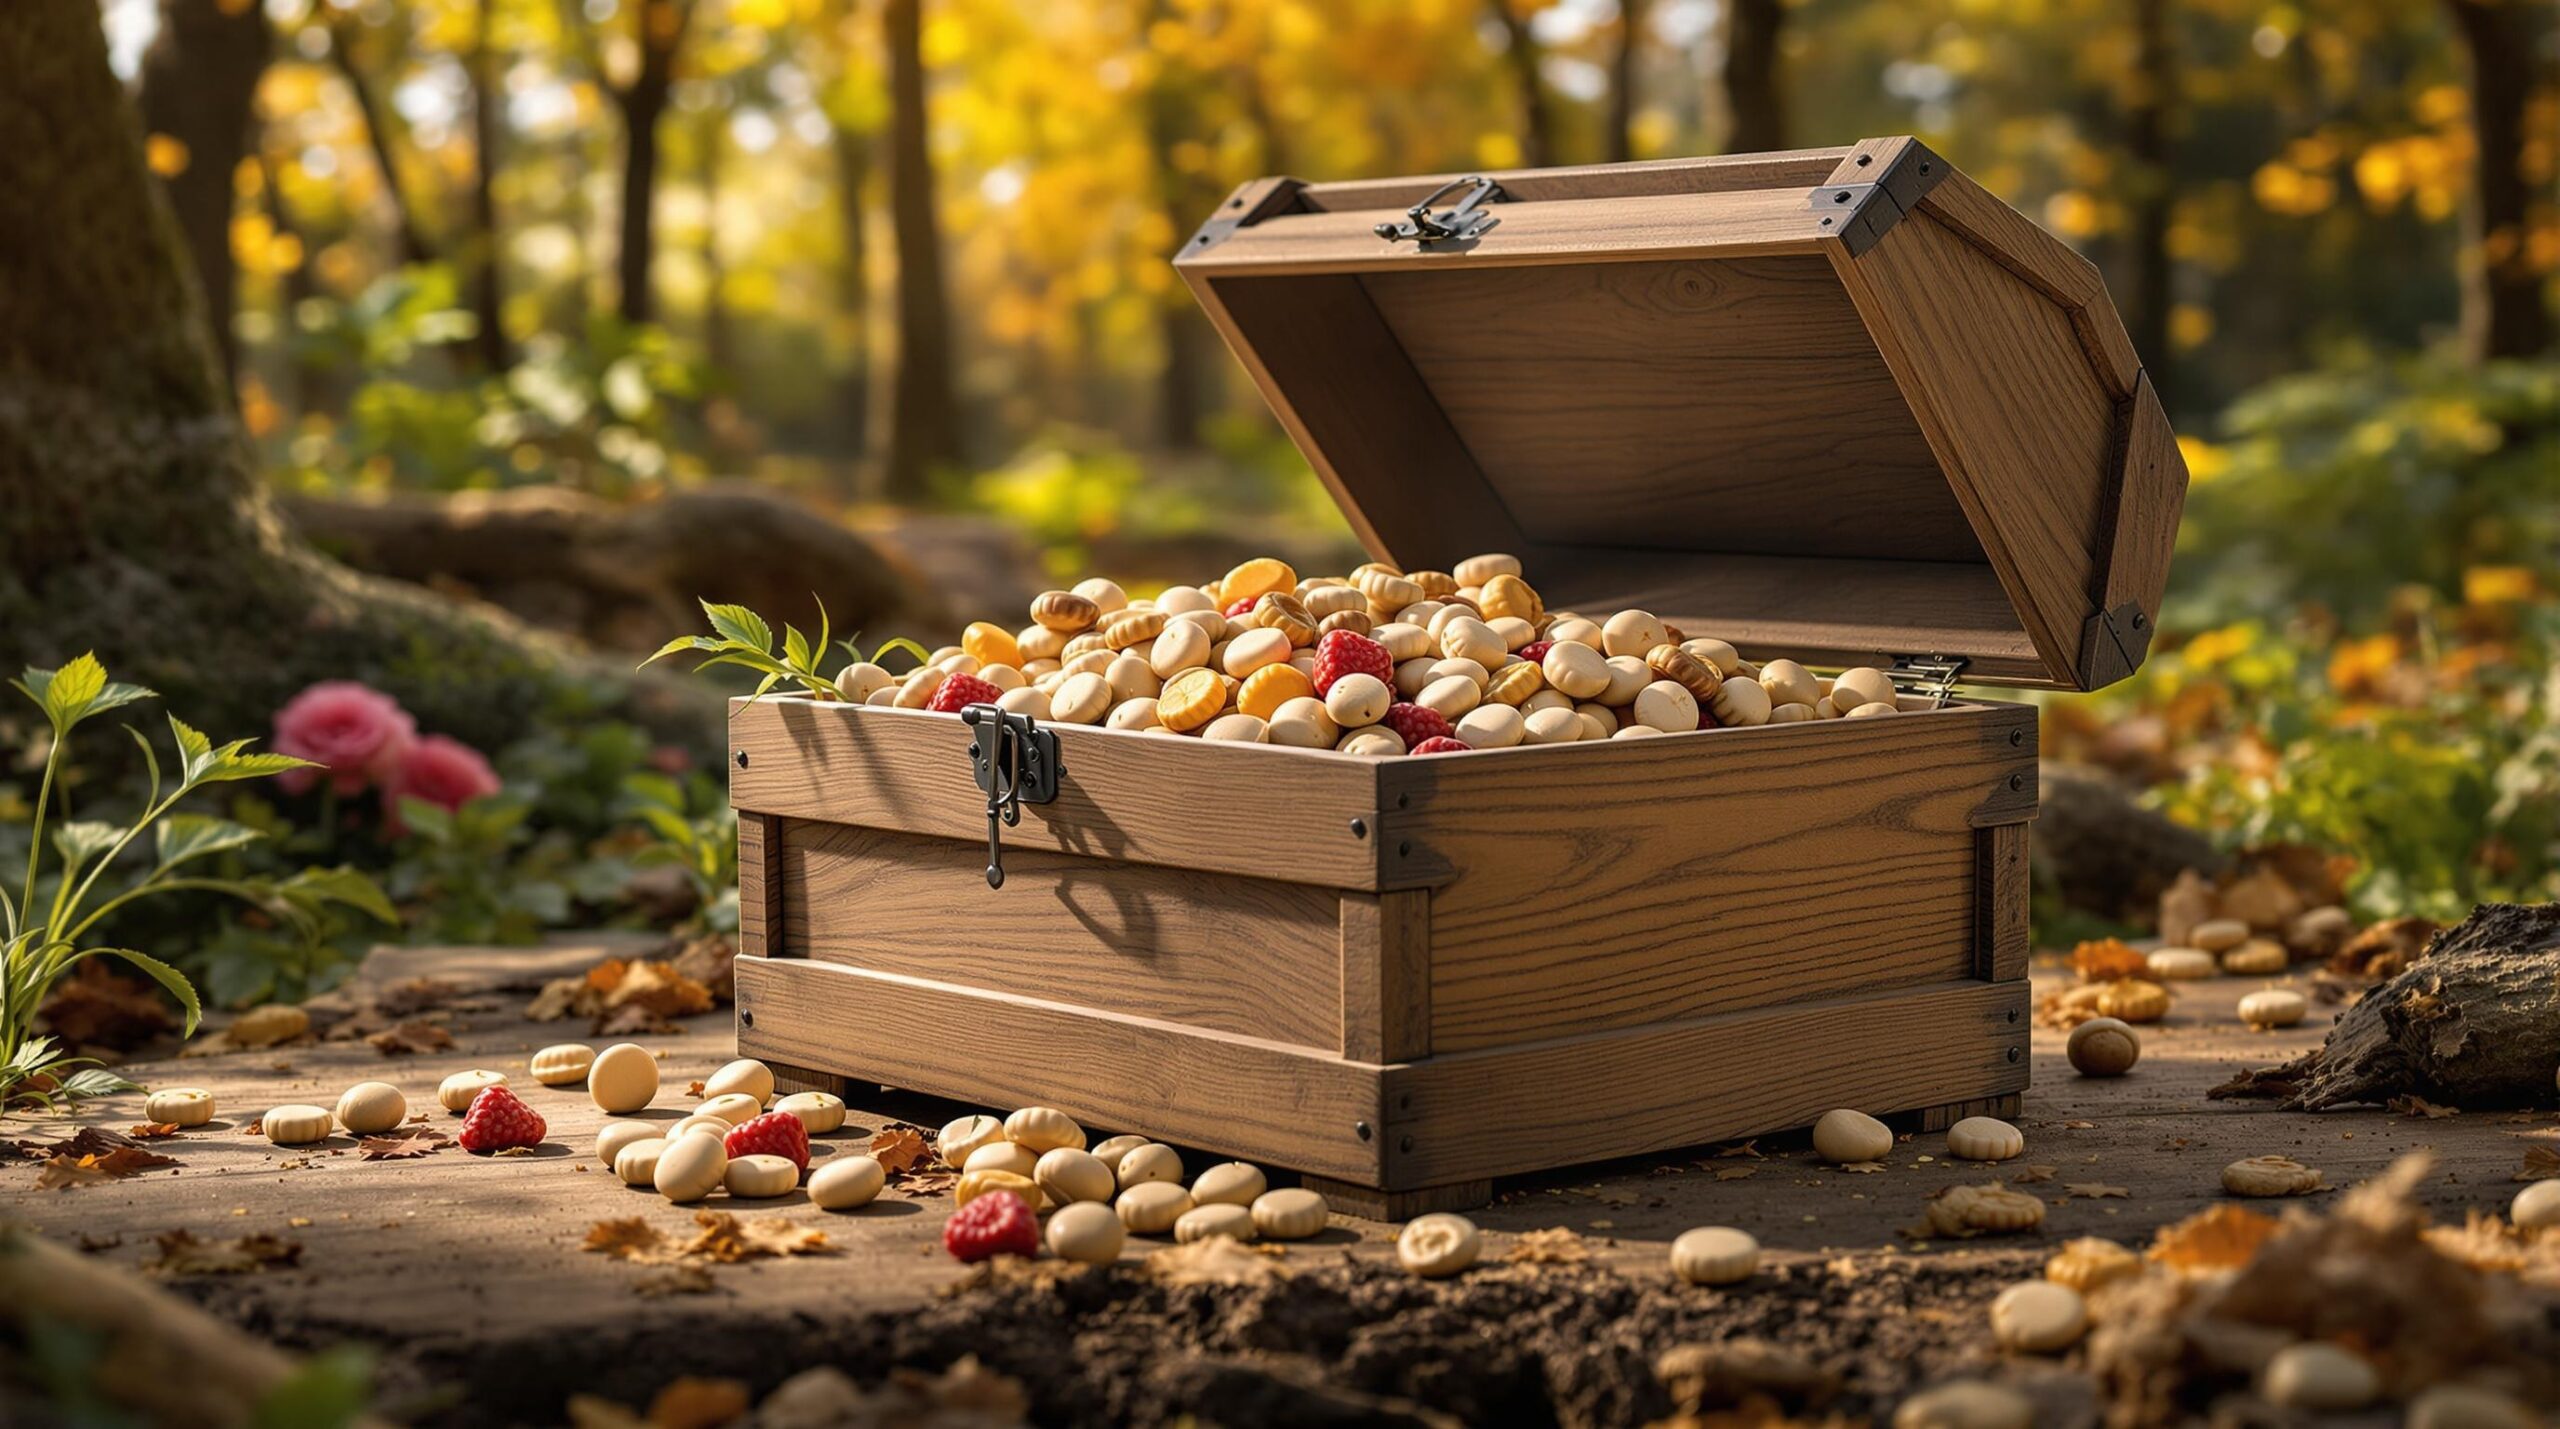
{"x": 358, "y": 733}
{"x": 444, "y": 772}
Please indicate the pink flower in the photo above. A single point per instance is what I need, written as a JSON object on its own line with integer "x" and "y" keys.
{"x": 358, "y": 733}
{"x": 440, "y": 771}
{"x": 670, "y": 759}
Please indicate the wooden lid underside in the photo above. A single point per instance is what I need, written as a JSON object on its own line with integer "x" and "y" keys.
{"x": 1692, "y": 399}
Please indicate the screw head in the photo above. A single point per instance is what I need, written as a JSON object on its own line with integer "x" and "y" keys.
{"x": 2017, "y": 782}
{"x": 1361, "y": 1130}
{"x": 1359, "y": 828}
{"x": 2017, "y": 737}
{"x": 742, "y": 759}
{"x": 2013, "y": 1054}
{"x": 1404, "y": 1144}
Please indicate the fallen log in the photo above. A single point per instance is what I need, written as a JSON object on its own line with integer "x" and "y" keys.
{"x": 2105, "y": 854}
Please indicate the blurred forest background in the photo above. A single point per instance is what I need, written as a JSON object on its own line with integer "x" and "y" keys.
{"x": 586, "y": 307}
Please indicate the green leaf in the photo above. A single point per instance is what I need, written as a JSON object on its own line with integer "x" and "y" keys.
{"x": 681, "y": 644}
{"x": 82, "y": 840}
{"x": 795, "y": 647}
{"x": 342, "y": 885}
{"x": 195, "y": 752}
{"x": 168, "y": 977}
{"x": 182, "y": 837}
{"x": 230, "y": 762}
{"x": 97, "y": 1082}
{"x": 427, "y": 821}
{"x": 329, "y": 1391}
{"x": 66, "y": 694}
{"x": 740, "y": 624}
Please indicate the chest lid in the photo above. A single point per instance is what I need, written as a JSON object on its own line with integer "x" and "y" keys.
{"x": 1839, "y": 404}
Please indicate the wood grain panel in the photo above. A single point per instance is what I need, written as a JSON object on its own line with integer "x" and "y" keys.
{"x": 2071, "y": 281}
{"x": 1386, "y": 976}
{"x": 1720, "y": 173}
{"x": 1701, "y": 874}
{"x": 1264, "y": 810}
{"x": 2000, "y": 895}
{"x": 2154, "y": 494}
{"x": 1710, "y": 225}
{"x": 759, "y": 894}
{"x": 1997, "y": 379}
{"x": 1705, "y": 407}
{"x": 1570, "y": 1099}
{"x": 1241, "y": 955}
{"x": 1262, "y": 1101}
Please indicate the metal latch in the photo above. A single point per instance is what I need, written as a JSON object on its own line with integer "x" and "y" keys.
{"x": 1468, "y": 220}
{"x": 1016, "y": 762}
{"x": 1932, "y": 676}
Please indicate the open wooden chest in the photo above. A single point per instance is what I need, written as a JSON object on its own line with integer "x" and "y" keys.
{"x": 1837, "y": 405}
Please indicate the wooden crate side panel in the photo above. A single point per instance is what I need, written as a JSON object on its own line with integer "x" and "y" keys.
{"x": 1260, "y": 810}
{"x": 759, "y": 889}
{"x": 1241, "y": 955}
{"x": 1241, "y": 1097}
{"x": 1719, "y": 173}
{"x": 1627, "y": 1093}
{"x": 1386, "y": 976}
{"x": 1699, "y": 875}
{"x": 2000, "y": 891}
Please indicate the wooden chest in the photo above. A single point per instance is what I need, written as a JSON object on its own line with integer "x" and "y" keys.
{"x": 1839, "y": 405}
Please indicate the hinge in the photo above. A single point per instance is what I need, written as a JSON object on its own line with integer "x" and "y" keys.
{"x": 1859, "y": 213}
{"x": 1243, "y": 209}
{"x": 1015, "y": 762}
{"x": 2114, "y": 644}
{"x": 1466, "y": 221}
{"x": 1932, "y": 677}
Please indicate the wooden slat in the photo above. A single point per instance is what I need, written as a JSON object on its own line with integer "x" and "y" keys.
{"x": 1626, "y": 1093}
{"x": 1721, "y": 225}
{"x": 2153, "y": 493}
{"x": 1242, "y": 955}
{"x": 1263, "y": 810}
{"x": 2071, "y": 281}
{"x": 2000, "y": 889}
{"x": 1699, "y": 874}
{"x": 2026, "y": 435}
{"x": 759, "y": 891}
{"x": 1798, "y": 169}
{"x": 1386, "y": 976}
{"x": 1237, "y": 1096}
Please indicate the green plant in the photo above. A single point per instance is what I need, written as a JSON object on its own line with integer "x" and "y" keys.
{"x": 696, "y": 831}
{"x": 744, "y": 639}
{"x": 51, "y": 924}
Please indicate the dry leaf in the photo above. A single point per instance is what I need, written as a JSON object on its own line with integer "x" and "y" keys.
{"x": 2106, "y": 960}
{"x": 404, "y": 1144}
{"x": 673, "y": 1280}
{"x": 697, "y": 1088}
{"x": 94, "y": 1170}
{"x": 152, "y": 1130}
{"x": 1862, "y": 1168}
{"x": 2220, "y": 1237}
{"x": 1215, "y": 1261}
{"x": 690, "y": 1403}
{"x": 2541, "y": 1163}
{"x": 898, "y": 1149}
{"x": 2413, "y": 1104}
{"x": 630, "y": 1238}
{"x": 722, "y": 1240}
{"x": 92, "y": 1244}
{"x": 182, "y": 1254}
{"x": 2028, "y": 1175}
{"x": 1749, "y": 1148}
{"x": 1734, "y": 1173}
{"x": 1556, "y": 1245}
{"x": 409, "y": 1038}
{"x": 925, "y": 1184}
{"x": 2096, "y": 1191}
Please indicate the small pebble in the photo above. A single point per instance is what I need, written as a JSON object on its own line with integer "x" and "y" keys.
{"x": 2536, "y": 1207}
{"x": 2273, "y": 1007}
{"x": 2317, "y": 1375}
{"x": 1152, "y": 1207}
{"x": 1438, "y": 1246}
{"x": 622, "y": 1079}
{"x": 371, "y": 1108}
{"x": 1088, "y": 1233}
{"x": 844, "y": 1183}
{"x": 1714, "y": 1255}
{"x": 1230, "y": 1183}
{"x": 1844, "y": 1136}
{"x": 744, "y": 1077}
{"x": 616, "y": 1135}
{"x": 2103, "y": 1047}
{"x": 2039, "y": 1317}
{"x": 1151, "y": 1162}
{"x": 690, "y": 1168}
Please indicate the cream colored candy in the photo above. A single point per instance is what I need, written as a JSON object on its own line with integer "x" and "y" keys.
{"x": 2269, "y": 1176}
{"x": 1088, "y": 1233}
{"x": 1666, "y": 706}
{"x": 761, "y": 1177}
{"x": 1151, "y": 1162}
{"x": 562, "y": 1065}
{"x": 1080, "y": 699}
{"x": 966, "y": 1134}
{"x": 1107, "y": 596}
{"x": 1476, "y": 570}
{"x": 1134, "y": 714}
{"x": 705, "y": 1123}
{"x": 1860, "y": 686}
{"x": 1254, "y": 649}
{"x": 862, "y": 679}
{"x": 1575, "y": 670}
{"x": 819, "y": 1112}
{"x": 1791, "y": 714}
{"x": 370, "y": 1108}
{"x": 636, "y": 1162}
{"x": 744, "y": 1077}
{"x": 2258, "y": 957}
{"x": 1633, "y": 632}
{"x": 1741, "y": 702}
{"x": 1843, "y": 1136}
{"x": 1067, "y": 1174}
{"x": 1411, "y": 676}
{"x": 2467, "y": 1406}
{"x": 1152, "y": 1207}
{"x": 1027, "y": 700}
{"x": 1303, "y": 723}
{"x": 735, "y": 1108}
{"x": 1358, "y": 700}
{"x": 1551, "y": 726}
{"x": 1726, "y": 659}
{"x": 2216, "y": 935}
{"x": 1180, "y": 598}
{"x": 1467, "y": 638}
{"x": 2039, "y": 1317}
{"x": 1200, "y": 1223}
{"x": 1229, "y": 1183}
{"x": 623, "y": 1079}
{"x": 1976, "y": 1210}
{"x": 2273, "y": 1007}
{"x": 2536, "y": 1207}
{"x": 1872, "y": 711}
{"x": 1638, "y": 731}
{"x": 1131, "y": 678}
{"x": 1714, "y": 1255}
{"x": 1371, "y": 744}
{"x": 1628, "y": 674}
{"x": 2182, "y": 964}
{"x": 1180, "y": 646}
{"x": 296, "y": 1124}
{"x": 845, "y": 1183}
{"x": 1404, "y": 641}
{"x": 1491, "y": 727}
{"x": 1003, "y": 1156}
{"x": 2092, "y": 1261}
{"x": 1966, "y": 1404}
{"x": 1110, "y": 1149}
{"x": 1598, "y": 721}
{"x": 1984, "y": 1138}
{"x": 690, "y": 1168}
{"x": 1291, "y": 1213}
{"x": 1238, "y": 729}
{"x": 1451, "y": 695}
{"x": 1788, "y": 683}
{"x": 974, "y": 1184}
{"x": 2103, "y": 1047}
{"x": 2319, "y": 1376}
{"x": 455, "y": 1092}
{"x": 616, "y": 1135}
{"x": 1438, "y": 1246}
{"x": 1043, "y": 1128}
{"x": 179, "y": 1106}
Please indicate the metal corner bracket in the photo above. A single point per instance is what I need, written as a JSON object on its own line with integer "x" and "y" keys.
{"x": 1860, "y": 213}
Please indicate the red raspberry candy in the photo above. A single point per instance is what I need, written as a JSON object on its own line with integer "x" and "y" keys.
{"x": 1535, "y": 652}
{"x": 1241, "y": 608}
{"x": 499, "y": 1119}
{"x": 958, "y": 690}
{"x": 1345, "y": 652}
{"x": 1415, "y": 723}
{"x": 1442, "y": 744}
{"x": 776, "y": 1133}
{"x": 997, "y": 1223}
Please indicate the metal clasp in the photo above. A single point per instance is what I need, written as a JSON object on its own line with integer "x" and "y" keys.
{"x": 1016, "y": 762}
{"x": 1468, "y": 220}
{"x": 1933, "y": 676}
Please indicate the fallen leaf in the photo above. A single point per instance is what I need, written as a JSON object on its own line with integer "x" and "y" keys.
{"x": 673, "y": 1280}
{"x": 409, "y": 1038}
{"x": 152, "y": 1130}
{"x": 1555, "y": 1245}
{"x": 1861, "y": 1168}
{"x": 690, "y": 1403}
{"x": 897, "y": 1149}
{"x": 99, "y": 1007}
{"x": 94, "y": 1170}
{"x": 628, "y": 1238}
{"x": 1215, "y": 1261}
{"x": 925, "y": 1184}
{"x": 1734, "y": 1173}
{"x": 723, "y": 1239}
{"x": 2079, "y": 1126}
{"x": 298, "y": 1222}
{"x": 92, "y": 1244}
{"x": 405, "y": 1144}
{"x": 697, "y": 1087}
{"x": 2219, "y": 1237}
{"x": 2028, "y": 1175}
{"x": 2412, "y": 1104}
{"x": 2541, "y": 1163}
{"x": 1749, "y": 1148}
{"x": 182, "y": 1254}
{"x": 2107, "y": 960}
{"x": 2095, "y": 1191}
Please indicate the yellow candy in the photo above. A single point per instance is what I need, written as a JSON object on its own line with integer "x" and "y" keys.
{"x": 1192, "y": 699}
{"x": 1510, "y": 595}
{"x": 992, "y": 645}
{"x": 1256, "y": 578}
{"x": 1267, "y": 689}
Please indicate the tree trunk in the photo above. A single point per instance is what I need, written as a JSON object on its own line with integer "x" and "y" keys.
{"x": 488, "y": 290}
{"x": 200, "y": 88}
{"x": 924, "y": 412}
{"x": 1181, "y": 395}
{"x": 1537, "y": 121}
{"x": 2503, "y": 310}
{"x": 378, "y": 121}
{"x": 717, "y": 347}
{"x": 1755, "y": 78}
{"x": 2151, "y": 182}
{"x": 853, "y": 282}
{"x": 134, "y": 526}
{"x": 1622, "y": 81}
{"x": 661, "y": 26}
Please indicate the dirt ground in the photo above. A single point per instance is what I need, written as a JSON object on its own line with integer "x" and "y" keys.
{"x": 468, "y": 1273}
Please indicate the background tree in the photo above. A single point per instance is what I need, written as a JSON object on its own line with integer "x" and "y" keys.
{"x": 658, "y": 34}
{"x": 199, "y": 95}
{"x": 924, "y": 410}
{"x": 1755, "y": 76}
{"x": 2508, "y": 47}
